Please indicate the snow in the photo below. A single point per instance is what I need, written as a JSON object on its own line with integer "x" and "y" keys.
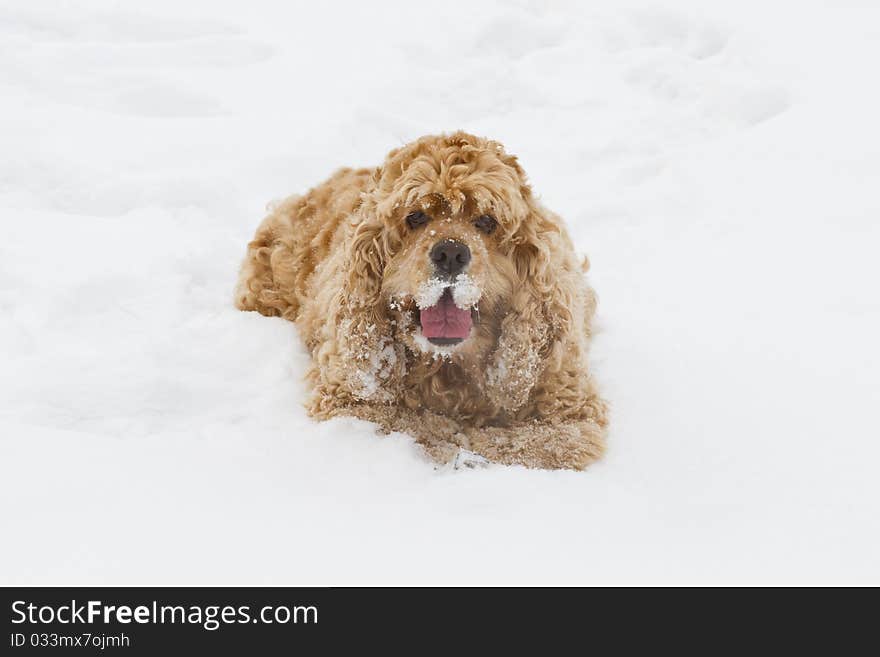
{"x": 429, "y": 292}
{"x": 717, "y": 161}
{"x": 465, "y": 292}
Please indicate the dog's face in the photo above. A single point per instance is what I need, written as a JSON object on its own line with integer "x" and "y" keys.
{"x": 451, "y": 212}
{"x": 449, "y": 283}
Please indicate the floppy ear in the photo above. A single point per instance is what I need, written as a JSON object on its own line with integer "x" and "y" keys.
{"x": 541, "y": 310}
{"x": 363, "y": 361}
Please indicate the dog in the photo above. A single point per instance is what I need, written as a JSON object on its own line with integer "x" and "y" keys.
{"x": 438, "y": 298}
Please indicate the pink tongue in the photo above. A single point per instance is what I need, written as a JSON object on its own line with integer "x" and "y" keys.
{"x": 445, "y": 319}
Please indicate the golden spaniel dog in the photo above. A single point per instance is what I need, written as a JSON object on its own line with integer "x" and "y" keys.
{"x": 438, "y": 298}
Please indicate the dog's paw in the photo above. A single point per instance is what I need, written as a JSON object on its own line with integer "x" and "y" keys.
{"x": 452, "y": 451}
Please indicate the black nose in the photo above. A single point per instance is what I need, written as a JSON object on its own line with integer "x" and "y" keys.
{"x": 450, "y": 257}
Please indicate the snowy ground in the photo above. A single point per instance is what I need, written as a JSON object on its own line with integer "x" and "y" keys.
{"x": 719, "y": 165}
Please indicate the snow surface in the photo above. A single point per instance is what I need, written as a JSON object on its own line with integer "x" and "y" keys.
{"x": 718, "y": 161}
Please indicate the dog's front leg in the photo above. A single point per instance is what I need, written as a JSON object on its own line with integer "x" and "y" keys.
{"x": 567, "y": 444}
{"x": 440, "y": 437}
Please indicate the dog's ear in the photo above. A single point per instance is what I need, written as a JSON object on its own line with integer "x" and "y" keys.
{"x": 365, "y": 360}
{"x": 542, "y": 312}
{"x": 365, "y": 264}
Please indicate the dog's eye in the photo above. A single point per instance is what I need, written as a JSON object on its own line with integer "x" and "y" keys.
{"x": 416, "y": 219}
{"x": 486, "y": 223}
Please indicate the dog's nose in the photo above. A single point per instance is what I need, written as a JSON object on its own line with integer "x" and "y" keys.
{"x": 450, "y": 256}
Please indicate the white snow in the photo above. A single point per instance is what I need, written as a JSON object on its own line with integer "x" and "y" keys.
{"x": 719, "y": 162}
{"x": 429, "y": 292}
{"x": 465, "y": 292}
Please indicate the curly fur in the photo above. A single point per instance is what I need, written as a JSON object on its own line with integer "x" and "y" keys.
{"x": 341, "y": 263}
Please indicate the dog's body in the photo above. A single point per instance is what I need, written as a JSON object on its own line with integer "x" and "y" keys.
{"x": 437, "y": 298}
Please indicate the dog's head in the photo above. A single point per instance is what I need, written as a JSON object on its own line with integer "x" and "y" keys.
{"x": 451, "y": 246}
